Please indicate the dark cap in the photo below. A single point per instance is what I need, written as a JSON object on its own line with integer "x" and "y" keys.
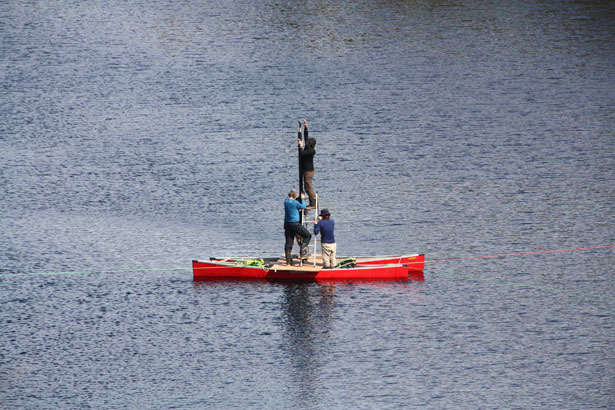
{"x": 325, "y": 212}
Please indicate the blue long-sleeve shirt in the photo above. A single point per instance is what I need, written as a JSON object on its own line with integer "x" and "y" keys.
{"x": 327, "y": 228}
{"x": 291, "y": 209}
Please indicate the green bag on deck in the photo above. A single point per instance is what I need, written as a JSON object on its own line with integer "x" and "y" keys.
{"x": 260, "y": 263}
{"x": 347, "y": 263}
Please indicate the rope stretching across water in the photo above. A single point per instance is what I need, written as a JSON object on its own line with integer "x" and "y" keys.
{"x": 519, "y": 254}
{"x": 409, "y": 263}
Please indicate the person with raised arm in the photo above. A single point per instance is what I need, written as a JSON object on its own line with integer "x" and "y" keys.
{"x": 307, "y": 163}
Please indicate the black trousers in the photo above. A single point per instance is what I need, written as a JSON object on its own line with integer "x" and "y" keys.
{"x": 290, "y": 230}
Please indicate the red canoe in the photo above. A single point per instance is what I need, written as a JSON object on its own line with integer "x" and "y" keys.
{"x": 376, "y": 268}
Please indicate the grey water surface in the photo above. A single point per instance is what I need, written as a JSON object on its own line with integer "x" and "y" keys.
{"x": 136, "y": 136}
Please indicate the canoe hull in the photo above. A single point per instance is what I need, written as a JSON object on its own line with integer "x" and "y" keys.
{"x": 414, "y": 262}
{"x": 367, "y": 269}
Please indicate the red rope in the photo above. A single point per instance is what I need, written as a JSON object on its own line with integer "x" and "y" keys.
{"x": 520, "y": 254}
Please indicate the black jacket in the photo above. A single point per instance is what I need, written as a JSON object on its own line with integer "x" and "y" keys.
{"x": 307, "y": 155}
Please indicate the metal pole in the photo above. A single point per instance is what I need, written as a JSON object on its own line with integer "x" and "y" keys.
{"x": 301, "y": 217}
{"x": 300, "y": 136}
{"x": 315, "y": 237}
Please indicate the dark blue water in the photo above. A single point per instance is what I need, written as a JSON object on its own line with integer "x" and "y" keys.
{"x": 136, "y": 136}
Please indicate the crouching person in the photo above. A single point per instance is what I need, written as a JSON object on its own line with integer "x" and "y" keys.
{"x": 326, "y": 227}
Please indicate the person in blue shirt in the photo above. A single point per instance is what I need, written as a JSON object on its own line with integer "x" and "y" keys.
{"x": 326, "y": 227}
{"x": 293, "y": 226}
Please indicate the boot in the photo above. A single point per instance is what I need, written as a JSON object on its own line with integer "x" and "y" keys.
{"x": 305, "y": 252}
{"x": 289, "y": 258}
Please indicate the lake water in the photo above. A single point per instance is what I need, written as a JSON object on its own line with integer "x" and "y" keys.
{"x": 137, "y": 136}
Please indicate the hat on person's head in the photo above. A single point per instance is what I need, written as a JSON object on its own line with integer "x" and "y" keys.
{"x": 325, "y": 212}
{"x": 293, "y": 193}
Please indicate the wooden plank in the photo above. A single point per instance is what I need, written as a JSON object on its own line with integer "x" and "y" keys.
{"x": 295, "y": 268}
{"x": 310, "y": 259}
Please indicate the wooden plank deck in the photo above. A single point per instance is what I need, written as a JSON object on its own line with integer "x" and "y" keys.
{"x": 296, "y": 267}
{"x": 308, "y": 265}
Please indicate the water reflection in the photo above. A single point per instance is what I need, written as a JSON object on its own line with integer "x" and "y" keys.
{"x": 307, "y": 312}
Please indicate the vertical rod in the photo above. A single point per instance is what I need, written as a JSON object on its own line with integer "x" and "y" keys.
{"x": 301, "y": 217}
{"x": 317, "y": 209}
{"x": 300, "y": 136}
